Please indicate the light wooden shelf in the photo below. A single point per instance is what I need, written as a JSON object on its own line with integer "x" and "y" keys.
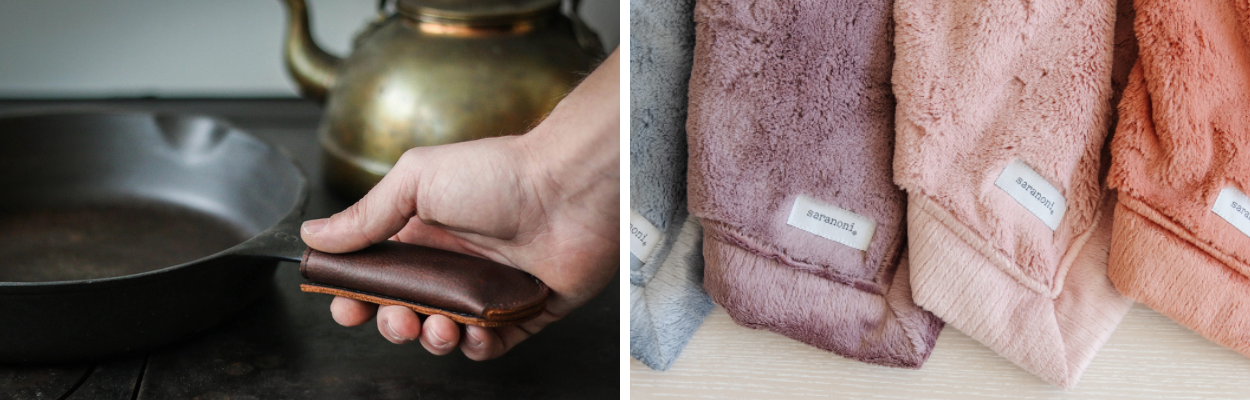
{"x": 1148, "y": 357}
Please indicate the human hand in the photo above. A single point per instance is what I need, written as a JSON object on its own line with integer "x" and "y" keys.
{"x": 546, "y": 202}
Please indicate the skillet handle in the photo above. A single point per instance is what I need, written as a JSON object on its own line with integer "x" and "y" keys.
{"x": 467, "y": 289}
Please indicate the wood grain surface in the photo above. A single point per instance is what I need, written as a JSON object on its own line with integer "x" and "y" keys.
{"x": 1148, "y": 357}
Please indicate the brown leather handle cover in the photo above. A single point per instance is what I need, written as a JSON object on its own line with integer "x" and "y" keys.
{"x": 467, "y": 289}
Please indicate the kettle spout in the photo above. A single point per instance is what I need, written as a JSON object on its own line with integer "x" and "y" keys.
{"x": 311, "y": 67}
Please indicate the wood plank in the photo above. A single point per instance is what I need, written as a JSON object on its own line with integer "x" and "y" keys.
{"x": 287, "y": 347}
{"x": 1148, "y": 357}
{"x": 37, "y": 382}
{"x": 111, "y": 379}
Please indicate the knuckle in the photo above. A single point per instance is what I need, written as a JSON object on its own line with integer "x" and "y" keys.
{"x": 350, "y": 214}
{"x": 355, "y": 217}
{"x": 409, "y": 157}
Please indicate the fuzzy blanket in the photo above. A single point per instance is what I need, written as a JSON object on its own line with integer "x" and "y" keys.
{"x": 1003, "y": 111}
{"x": 667, "y": 300}
{"x": 1182, "y": 167}
{"x": 790, "y": 130}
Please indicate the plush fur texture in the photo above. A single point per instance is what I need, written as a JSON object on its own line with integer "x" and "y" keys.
{"x": 1184, "y": 134}
{"x": 980, "y": 84}
{"x": 660, "y": 54}
{"x": 665, "y": 312}
{"x": 792, "y": 97}
{"x": 667, "y": 300}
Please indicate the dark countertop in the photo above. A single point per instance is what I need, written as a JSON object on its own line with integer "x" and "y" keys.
{"x": 287, "y": 346}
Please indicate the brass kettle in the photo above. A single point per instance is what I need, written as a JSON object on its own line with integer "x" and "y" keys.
{"x": 434, "y": 72}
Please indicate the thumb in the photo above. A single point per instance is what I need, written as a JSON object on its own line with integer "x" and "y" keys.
{"x": 376, "y": 217}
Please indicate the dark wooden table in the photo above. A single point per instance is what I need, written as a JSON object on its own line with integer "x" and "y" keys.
{"x": 287, "y": 347}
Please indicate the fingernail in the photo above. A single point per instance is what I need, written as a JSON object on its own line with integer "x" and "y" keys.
{"x": 311, "y": 227}
{"x": 390, "y": 332}
{"x": 437, "y": 340}
{"x": 474, "y": 340}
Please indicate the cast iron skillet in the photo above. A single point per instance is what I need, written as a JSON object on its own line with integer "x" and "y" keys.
{"x": 120, "y": 231}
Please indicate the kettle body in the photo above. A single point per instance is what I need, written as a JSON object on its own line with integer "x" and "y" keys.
{"x": 436, "y": 74}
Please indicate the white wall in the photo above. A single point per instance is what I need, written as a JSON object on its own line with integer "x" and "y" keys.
{"x": 176, "y": 48}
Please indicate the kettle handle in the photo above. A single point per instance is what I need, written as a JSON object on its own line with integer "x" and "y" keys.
{"x": 586, "y": 37}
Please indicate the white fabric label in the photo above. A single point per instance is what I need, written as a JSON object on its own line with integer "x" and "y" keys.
{"x": 1234, "y": 207}
{"x": 831, "y": 223}
{"x": 643, "y": 236}
{"x": 1033, "y": 192}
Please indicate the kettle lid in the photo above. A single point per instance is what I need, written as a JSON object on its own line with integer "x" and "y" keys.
{"x": 476, "y": 10}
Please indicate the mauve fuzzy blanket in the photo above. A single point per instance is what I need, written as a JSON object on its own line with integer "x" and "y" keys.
{"x": 1183, "y": 137}
{"x": 982, "y": 86}
{"x": 791, "y": 98}
{"x": 667, "y": 300}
